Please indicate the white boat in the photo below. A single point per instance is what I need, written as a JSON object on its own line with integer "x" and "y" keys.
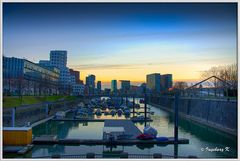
{"x": 127, "y": 112}
{"x": 137, "y": 106}
{"x": 119, "y": 112}
{"x": 98, "y": 112}
{"x": 150, "y": 130}
{"x": 106, "y": 112}
{"x": 60, "y": 115}
{"x": 113, "y": 112}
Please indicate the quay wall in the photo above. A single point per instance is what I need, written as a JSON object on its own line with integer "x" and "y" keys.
{"x": 219, "y": 114}
{"x": 26, "y": 114}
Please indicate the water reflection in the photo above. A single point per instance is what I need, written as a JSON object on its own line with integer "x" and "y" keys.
{"x": 200, "y": 137}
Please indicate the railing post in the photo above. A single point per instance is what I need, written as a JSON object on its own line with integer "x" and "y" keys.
{"x": 90, "y": 155}
{"x": 133, "y": 105}
{"x": 145, "y": 108}
{"x": 157, "y": 155}
{"x": 46, "y": 110}
{"x": 13, "y": 116}
{"x": 124, "y": 155}
{"x": 176, "y": 117}
{"x": 175, "y": 150}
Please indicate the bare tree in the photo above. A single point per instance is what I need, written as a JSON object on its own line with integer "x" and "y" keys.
{"x": 180, "y": 85}
{"x": 228, "y": 73}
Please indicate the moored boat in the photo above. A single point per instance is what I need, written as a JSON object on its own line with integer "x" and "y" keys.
{"x": 119, "y": 112}
{"x": 60, "y": 115}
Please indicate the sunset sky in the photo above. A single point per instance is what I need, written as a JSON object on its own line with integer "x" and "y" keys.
{"x": 124, "y": 41}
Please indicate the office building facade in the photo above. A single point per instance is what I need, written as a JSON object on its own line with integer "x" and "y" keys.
{"x": 23, "y": 77}
{"x": 76, "y": 74}
{"x": 58, "y": 59}
{"x": 90, "y": 83}
{"x": 166, "y": 82}
{"x": 154, "y": 82}
{"x": 78, "y": 89}
{"x": 99, "y": 87}
{"x": 114, "y": 86}
{"x": 125, "y": 86}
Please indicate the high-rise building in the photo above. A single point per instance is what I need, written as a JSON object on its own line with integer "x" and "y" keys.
{"x": 143, "y": 88}
{"x": 58, "y": 58}
{"x": 107, "y": 91}
{"x": 72, "y": 80}
{"x": 166, "y": 82}
{"x": 114, "y": 86}
{"x": 78, "y": 89}
{"x": 125, "y": 86}
{"x": 76, "y": 74}
{"x": 90, "y": 82}
{"x": 154, "y": 82}
{"x": 99, "y": 87}
{"x": 135, "y": 90}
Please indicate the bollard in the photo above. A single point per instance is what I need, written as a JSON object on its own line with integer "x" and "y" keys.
{"x": 157, "y": 155}
{"x": 90, "y": 155}
{"x": 124, "y": 155}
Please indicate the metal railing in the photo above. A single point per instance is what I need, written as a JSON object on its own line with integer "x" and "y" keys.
{"x": 121, "y": 155}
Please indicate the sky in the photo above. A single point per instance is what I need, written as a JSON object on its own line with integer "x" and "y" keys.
{"x": 124, "y": 40}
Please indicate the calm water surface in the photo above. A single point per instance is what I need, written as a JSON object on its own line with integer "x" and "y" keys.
{"x": 201, "y": 137}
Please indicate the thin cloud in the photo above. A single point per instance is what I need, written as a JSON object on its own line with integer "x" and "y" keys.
{"x": 104, "y": 66}
{"x": 137, "y": 66}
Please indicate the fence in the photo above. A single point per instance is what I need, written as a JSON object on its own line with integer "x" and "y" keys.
{"x": 121, "y": 155}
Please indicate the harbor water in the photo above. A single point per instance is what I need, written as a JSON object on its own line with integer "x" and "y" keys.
{"x": 204, "y": 142}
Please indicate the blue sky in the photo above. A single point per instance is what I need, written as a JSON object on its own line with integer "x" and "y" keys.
{"x": 124, "y": 41}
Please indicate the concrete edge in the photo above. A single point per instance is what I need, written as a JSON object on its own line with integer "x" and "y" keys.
{"x": 200, "y": 121}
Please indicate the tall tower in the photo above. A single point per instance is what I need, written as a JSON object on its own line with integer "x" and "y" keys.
{"x": 58, "y": 58}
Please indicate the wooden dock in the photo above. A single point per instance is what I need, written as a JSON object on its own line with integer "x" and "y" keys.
{"x": 129, "y": 127}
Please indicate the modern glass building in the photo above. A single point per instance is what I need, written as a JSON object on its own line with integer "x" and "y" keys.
{"x": 154, "y": 82}
{"x": 24, "y": 77}
{"x": 114, "y": 86}
{"x": 99, "y": 87}
{"x": 76, "y": 74}
{"x": 166, "y": 82}
{"x": 125, "y": 86}
{"x": 58, "y": 58}
{"x": 90, "y": 83}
